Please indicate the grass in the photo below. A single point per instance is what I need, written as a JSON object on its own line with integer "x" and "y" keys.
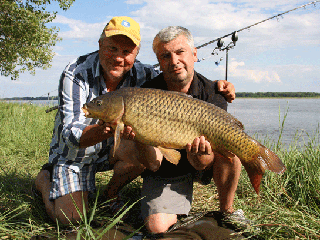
{"x": 288, "y": 206}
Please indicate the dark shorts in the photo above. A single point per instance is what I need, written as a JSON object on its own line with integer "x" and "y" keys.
{"x": 161, "y": 195}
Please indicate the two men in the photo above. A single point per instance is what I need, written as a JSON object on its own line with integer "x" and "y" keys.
{"x": 81, "y": 147}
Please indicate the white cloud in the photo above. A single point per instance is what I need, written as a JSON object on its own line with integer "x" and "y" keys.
{"x": 239, "y": 70}
{"x": 80, "y": 30}
{"x": 212, "y": 19}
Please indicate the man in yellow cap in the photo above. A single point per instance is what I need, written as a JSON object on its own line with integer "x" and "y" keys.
{"x": 81, "y": 147}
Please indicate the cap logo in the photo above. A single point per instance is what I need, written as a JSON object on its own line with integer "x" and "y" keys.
{"x": 125, "y": 23}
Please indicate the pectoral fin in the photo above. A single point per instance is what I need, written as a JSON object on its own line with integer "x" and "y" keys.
{"x": 171, "y": 155}
{"x": 117, "y": 139}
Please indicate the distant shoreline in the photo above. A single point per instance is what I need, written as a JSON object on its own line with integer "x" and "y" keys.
{"x": 238, "y": 95}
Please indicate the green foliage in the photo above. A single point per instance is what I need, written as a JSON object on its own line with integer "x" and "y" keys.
{"x": 25, "y": 40}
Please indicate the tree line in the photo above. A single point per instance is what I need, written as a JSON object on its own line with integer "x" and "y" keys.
{"x": 238, "y": 95}
{"x": 277, "y": 95}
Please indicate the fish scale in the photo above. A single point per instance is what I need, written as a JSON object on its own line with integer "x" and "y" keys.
{"x": 172, "y": 120}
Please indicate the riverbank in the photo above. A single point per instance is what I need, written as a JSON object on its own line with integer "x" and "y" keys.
{"x": 239, "y": 95}
{"x": 288, "y": 206}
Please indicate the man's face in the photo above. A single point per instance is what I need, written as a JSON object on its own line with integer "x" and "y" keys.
{"x": 176, "y": 59}
{"x": 117, "y": 54}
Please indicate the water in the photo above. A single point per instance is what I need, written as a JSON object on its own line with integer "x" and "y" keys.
{"x": 261, "y": 117}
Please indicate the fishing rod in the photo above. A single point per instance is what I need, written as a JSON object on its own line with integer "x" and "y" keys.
{"x": 257, "y": 23}
{"x": 234, "y": 36}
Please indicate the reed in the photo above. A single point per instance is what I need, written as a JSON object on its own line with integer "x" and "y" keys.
{"x": 288, "y": 206}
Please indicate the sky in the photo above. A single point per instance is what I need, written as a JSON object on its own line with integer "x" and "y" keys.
{"x": 279, "y": 55}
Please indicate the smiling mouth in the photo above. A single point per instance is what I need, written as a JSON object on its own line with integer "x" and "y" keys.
{"x": 177, "y": 70}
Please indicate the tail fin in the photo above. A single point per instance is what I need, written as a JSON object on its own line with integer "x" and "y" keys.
{"x": 254, "y": 175}
{"x": 266, "y": 159}
{"x": 271, "y": 161}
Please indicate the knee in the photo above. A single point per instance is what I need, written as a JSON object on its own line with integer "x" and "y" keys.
{"x": 67, "y": 217}
{"x": 69, "y": 208}
{"x": 160, "y": 222}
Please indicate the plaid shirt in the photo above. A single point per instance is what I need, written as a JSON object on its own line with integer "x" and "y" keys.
{"x": 80, "y": 82}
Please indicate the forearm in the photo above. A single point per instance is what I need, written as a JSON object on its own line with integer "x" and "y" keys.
{"x": 94, "y": 134}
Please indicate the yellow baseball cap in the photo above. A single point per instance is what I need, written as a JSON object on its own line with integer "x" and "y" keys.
{"x": 123, "y": 26}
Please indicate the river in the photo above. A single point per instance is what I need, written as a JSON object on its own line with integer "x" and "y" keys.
{"x": 264, "y": 118}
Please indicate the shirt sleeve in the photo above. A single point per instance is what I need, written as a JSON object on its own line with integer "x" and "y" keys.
{"x": 72, "y": 96}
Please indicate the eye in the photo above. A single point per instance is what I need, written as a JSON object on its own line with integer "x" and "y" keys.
{"x": 112, "y": 48}
{"x": 99, "y": 102}
{"x": 166, "y": 55}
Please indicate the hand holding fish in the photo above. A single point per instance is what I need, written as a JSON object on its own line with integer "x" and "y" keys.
{"x": 200, "y": 153}
{"x": 106, "y": 126}
{"x": 127, "y": 133}
{"x": 227, "y": 89}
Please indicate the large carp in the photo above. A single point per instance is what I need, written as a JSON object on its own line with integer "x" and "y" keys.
{"x": 171, "y": 120}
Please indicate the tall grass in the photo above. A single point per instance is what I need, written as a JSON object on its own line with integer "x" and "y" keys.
{"x": 288, "y": 205}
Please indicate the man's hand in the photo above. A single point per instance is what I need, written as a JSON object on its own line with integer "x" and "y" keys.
{"x": 199, "y": 153}
{"x": 227, "y": 89}
{"x": 126, "y": 133}
{"x": 200, "y": 146}
{"x": 106, "y": 127}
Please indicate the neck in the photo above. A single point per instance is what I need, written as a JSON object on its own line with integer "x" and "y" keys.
{"x": 111, "y": 83}
{"x": 184, "y": 88}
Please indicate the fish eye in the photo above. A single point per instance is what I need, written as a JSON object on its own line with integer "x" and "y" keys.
{"x": 99, "y": 102}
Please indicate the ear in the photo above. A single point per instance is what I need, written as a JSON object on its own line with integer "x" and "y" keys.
{"x": 195, "y": 57}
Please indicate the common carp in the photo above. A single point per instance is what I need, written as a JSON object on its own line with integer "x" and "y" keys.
{"x": 170, "y": 120}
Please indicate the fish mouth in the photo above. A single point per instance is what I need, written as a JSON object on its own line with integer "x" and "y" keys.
{"x": 85, "y": 110}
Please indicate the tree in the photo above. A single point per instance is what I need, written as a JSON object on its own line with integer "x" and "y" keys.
{"x": 25, "y": 40}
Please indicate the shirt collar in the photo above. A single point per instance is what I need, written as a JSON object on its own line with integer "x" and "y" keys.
{"x": 194, "y": 87}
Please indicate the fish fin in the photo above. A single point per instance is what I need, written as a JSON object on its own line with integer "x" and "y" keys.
{"x": 117, "y": 134}
{"x": 171, "y": 155}
{"x": 254, "y": 176}
{"x": 270, "y": 160}
{"x": 117, "y": 123}
{"x": 266, "y": 159}
{"x": 237, "y": 123}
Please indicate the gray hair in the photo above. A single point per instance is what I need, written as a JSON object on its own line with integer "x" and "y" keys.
{"x": 172, "y": 32}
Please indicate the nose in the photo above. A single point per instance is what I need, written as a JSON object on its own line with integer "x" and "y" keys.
{"x": 118, "y": 57}
{"x": 174, "y": 60}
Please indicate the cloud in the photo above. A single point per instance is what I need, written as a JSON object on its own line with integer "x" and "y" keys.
{"x": 212, "y": 19}
{"x": 239, "y": 70}
{"x": 79, "y": 30}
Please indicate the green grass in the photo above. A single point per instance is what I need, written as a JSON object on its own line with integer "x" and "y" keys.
{"x": 287, "y": 208}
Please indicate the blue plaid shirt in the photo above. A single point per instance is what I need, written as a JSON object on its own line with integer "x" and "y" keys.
{"x": 80, "y": 82}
